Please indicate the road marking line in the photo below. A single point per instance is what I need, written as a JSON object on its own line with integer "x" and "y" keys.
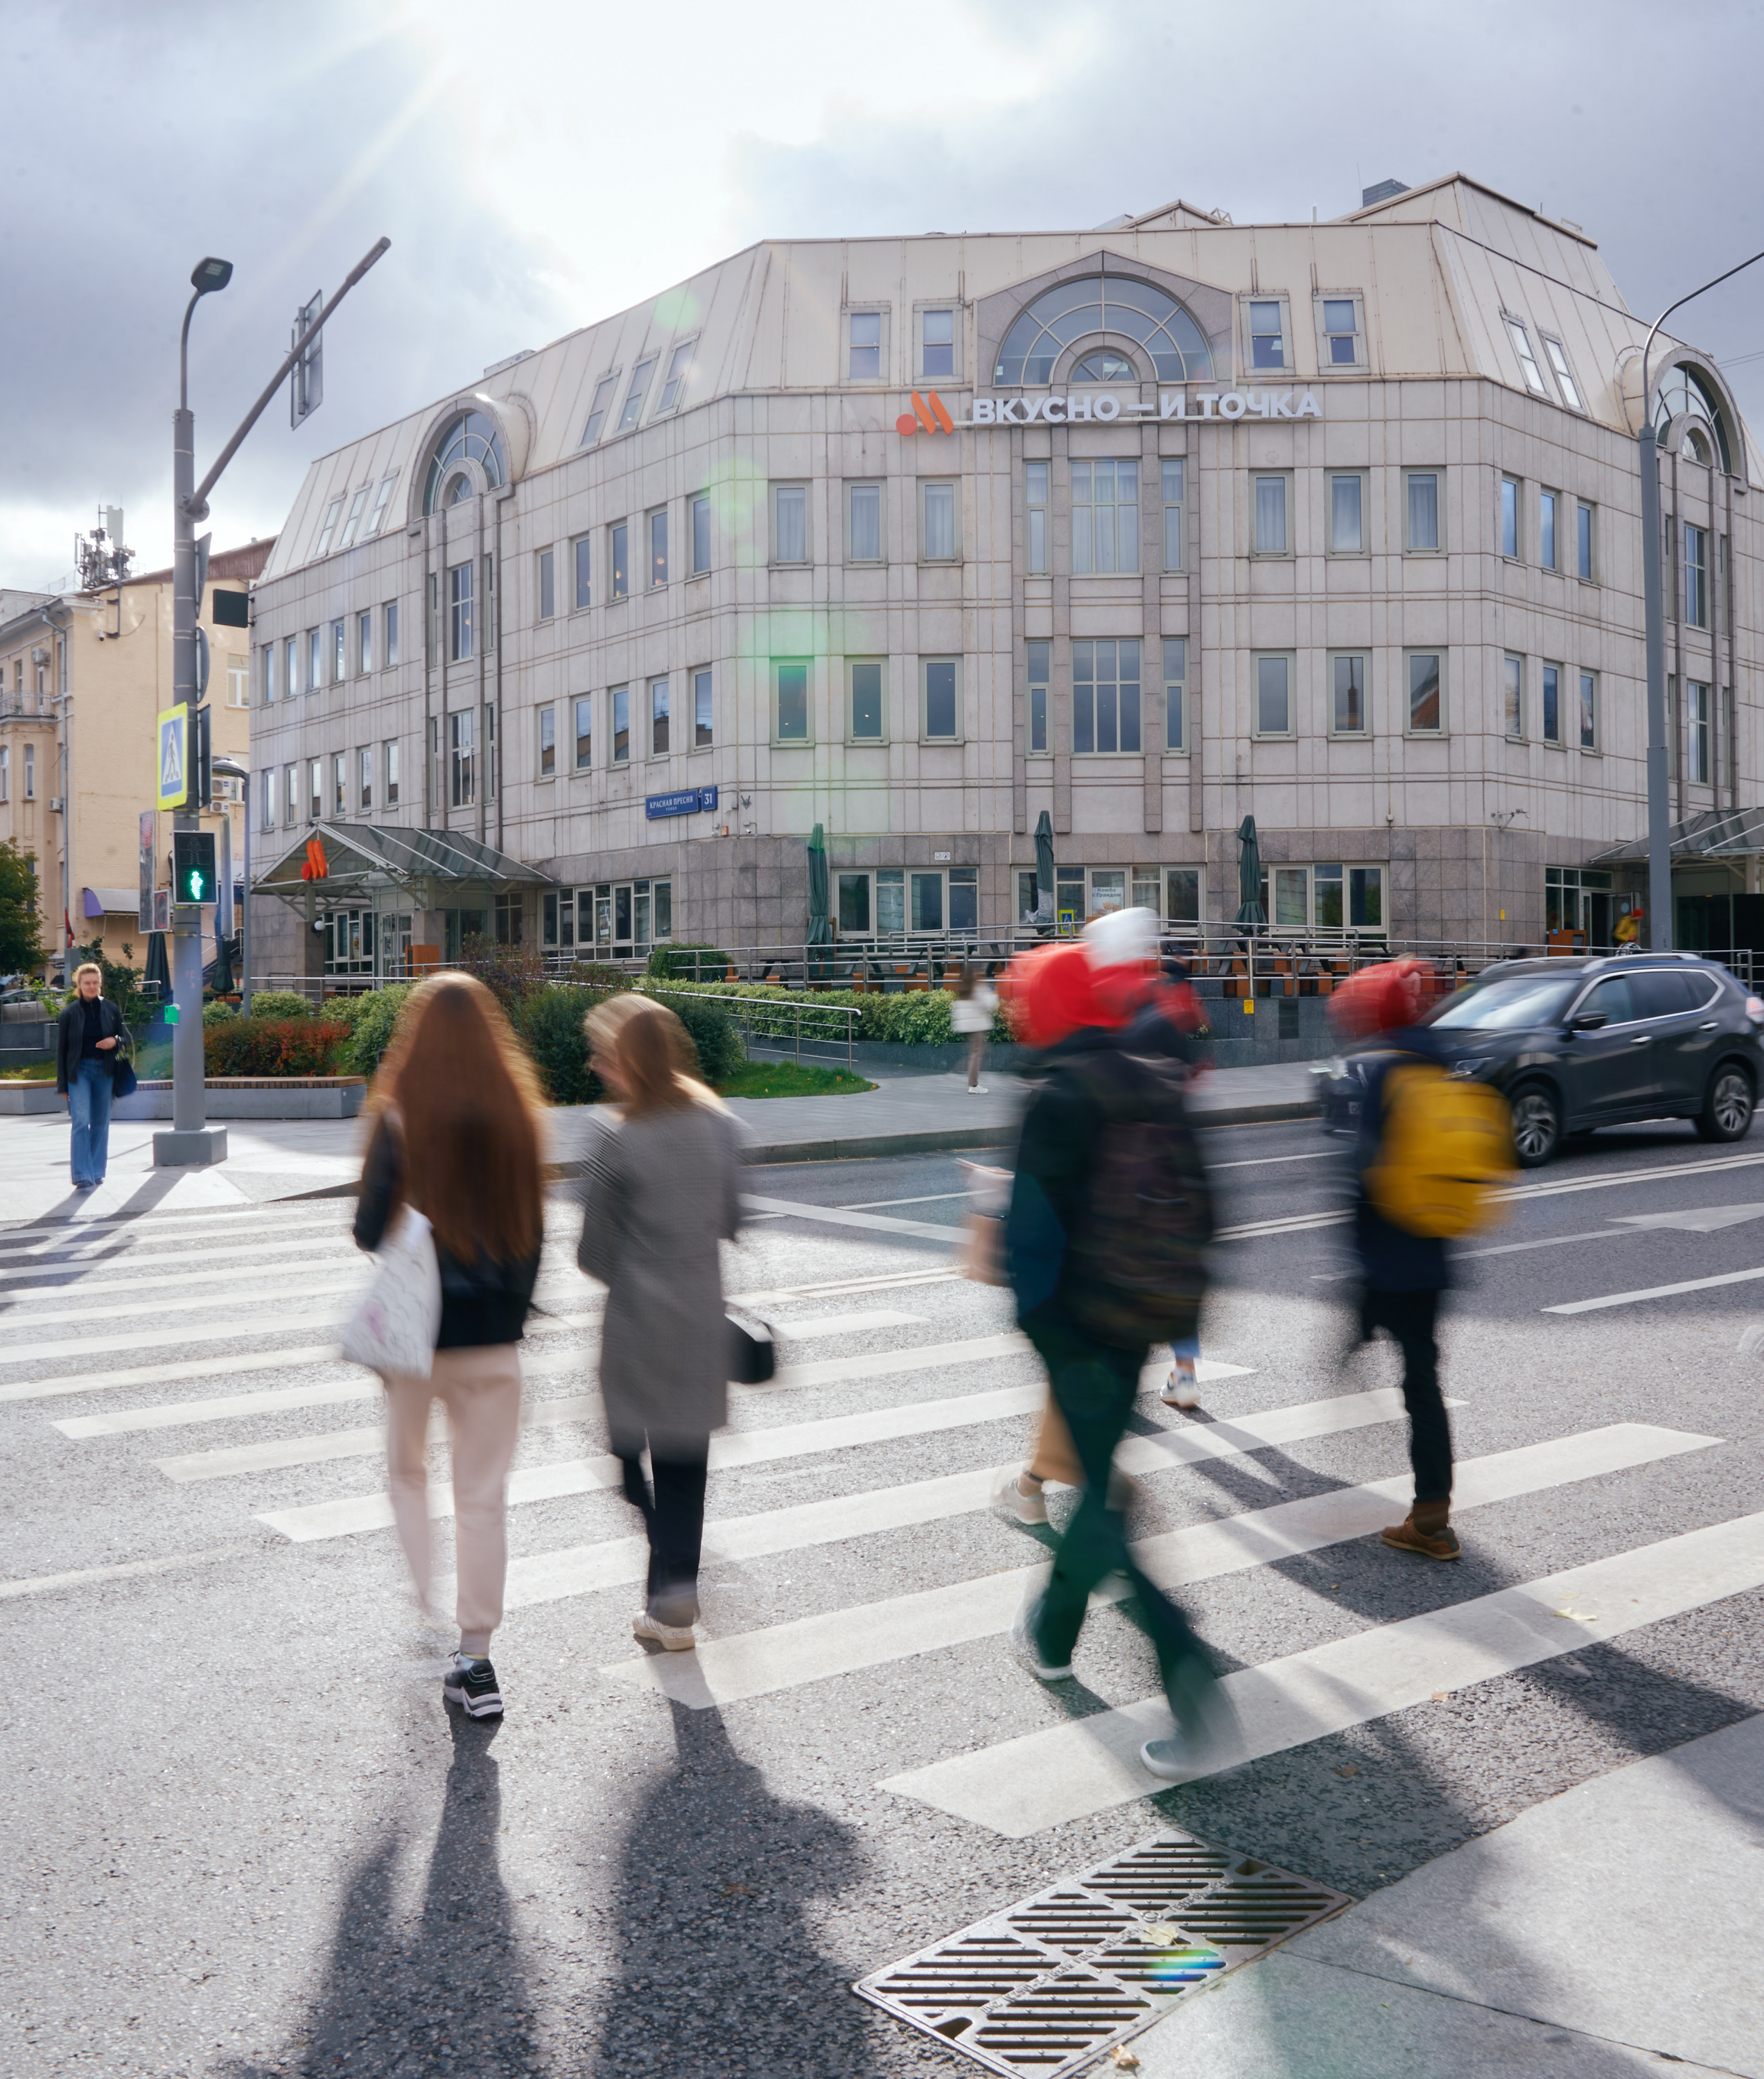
{"x": 811, "y": 1327}
{"x": 835, "y": 1217}
{"x": 77, "y": 1310}
{"x": 84, "y": 1288}
{"x": 1655, "y": 1292}
{"x": 1021, "y": 1787}
{"x": 784, "y": 1656}
{"x": 1265, "y": 1161}
{"x": 41, "y": 1584}
{"x": 163, "y": 1227}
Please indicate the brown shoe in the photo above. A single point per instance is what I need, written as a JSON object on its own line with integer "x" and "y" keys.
{"x": 1437, "y": 1541}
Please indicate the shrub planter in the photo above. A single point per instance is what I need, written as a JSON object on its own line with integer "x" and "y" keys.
{"x": 255, "y": 1096}
{"x": 16, "y": 1099}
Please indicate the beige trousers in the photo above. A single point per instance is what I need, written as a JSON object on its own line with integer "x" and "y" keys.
{"x": 1056, "y": 1458}
{"x": 480, "y": 1389}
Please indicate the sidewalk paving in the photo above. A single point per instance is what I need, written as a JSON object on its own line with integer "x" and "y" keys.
{"x": 1611, "y": 1931}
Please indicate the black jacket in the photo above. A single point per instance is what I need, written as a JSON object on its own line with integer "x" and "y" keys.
{"x": 70, "y": 1036}
{"x": 1391, "y": 1259}
{"x": 482, "y": 1303}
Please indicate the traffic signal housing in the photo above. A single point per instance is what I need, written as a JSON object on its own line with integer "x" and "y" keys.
{"x": 194, "y": 877}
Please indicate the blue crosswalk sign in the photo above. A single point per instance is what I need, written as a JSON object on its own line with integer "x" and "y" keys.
{"x": 174, "y": 757}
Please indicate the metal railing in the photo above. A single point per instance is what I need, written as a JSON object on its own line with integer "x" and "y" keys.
{"x": 780, "y": 1025}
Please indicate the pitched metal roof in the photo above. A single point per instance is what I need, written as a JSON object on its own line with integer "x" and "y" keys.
{"x": 1715, "y": 834}
{"x": 358, "y": 854}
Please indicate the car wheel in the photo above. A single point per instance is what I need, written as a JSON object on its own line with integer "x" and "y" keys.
{"x": 1537, "y": 1125}
{"x": 1727, "y": 1110}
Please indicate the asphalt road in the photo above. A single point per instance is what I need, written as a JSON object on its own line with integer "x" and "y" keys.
{"x": 245, "y": 1838}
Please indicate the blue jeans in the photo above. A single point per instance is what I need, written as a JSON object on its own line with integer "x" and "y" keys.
{"x": 89, "y": 1106}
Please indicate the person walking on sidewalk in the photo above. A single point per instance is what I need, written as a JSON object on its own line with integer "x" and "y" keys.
{"x": 971, "y": 1014}
{"x": 89, "y": 1034}
{"x": 662, "y": 1194}
{"x": 456, "y": 1111}
{"x": 1109, "y": 1216}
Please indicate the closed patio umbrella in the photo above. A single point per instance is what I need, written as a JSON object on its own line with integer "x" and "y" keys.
{"x": 1249, "y": 909}
{"x": 223, "y": 984}
{"x": 1044, "y": 871}
{"x": 158, "y": 967}
{"x": 820, "y": 928}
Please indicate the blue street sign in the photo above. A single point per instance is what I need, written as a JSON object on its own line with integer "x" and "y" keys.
{"x": 685, "y": 802}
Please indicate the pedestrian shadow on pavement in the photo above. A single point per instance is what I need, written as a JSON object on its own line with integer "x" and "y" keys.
{"x": 447, "y": 1993}
{"x": 719, "y": 1973}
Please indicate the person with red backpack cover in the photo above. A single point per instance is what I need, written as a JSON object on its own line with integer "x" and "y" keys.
{"x": 1104, "y": 1245}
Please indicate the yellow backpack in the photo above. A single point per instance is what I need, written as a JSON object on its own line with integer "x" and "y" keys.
{"x": 1446, "y": 1148}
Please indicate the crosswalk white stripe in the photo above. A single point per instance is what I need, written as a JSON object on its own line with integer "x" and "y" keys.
{"x": 245, "y": 1278}
{"x": 837, "y": 1216}
{"x": 158, "y": 1375}
{"x": 98, "y": 1235}
{"x": 1022, "y": 1786}
{"x": 41, "y": 1584}
{"x": 88, "y": 1278}
{"x": 79, "y": 1308}
{"x": 784, "y": 1656}
{"x": 1656, "y": 1292}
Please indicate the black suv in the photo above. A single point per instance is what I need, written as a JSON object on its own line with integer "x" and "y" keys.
{"x": 1575, "y": 1045}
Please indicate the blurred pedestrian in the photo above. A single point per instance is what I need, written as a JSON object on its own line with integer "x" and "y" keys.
{"x": 971, "y": 1015}
{"x": 457, "y": 1113}
{"x": 662, "y": 1194}
{"x": 1109, "y": 1217}
{"x": 88, "y": 1038}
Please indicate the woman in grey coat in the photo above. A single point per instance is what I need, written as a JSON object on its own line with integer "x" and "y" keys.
{"x": 663, "y": 1192}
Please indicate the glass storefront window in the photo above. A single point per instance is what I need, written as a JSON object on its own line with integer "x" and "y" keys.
{"x": 890, "y": 901}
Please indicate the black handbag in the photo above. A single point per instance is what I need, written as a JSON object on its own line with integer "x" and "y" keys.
{"x": 752, "y": 1354}
{"x": 123, "y": 1077}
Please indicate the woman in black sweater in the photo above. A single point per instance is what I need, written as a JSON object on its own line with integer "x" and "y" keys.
{"x": 87, "y": 1045}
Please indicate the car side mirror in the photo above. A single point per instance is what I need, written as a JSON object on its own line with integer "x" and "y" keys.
{"x": 1588, "y": 1021}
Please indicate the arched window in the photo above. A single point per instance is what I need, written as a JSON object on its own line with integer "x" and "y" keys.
{"x": 1104, "y": 302}
{"x": 471, "y": 436}
{"x": 1682, "y": 389}
{"x": 1104, "y": 367}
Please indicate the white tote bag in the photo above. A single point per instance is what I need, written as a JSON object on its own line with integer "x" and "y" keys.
{"x": 394, "y": 1328}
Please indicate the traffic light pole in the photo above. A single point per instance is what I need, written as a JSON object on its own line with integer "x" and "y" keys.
{"x": 191, "y": 1140}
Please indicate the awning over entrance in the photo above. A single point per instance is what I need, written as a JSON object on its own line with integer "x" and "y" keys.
{"x": 1715, "y": 834}
{"x": 427, "y": 869}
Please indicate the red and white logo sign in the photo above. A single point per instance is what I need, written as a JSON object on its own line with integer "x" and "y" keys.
{"x": 929, "y": 411}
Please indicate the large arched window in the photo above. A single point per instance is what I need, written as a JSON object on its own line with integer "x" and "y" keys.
{"x": 473, "y": 438}
{"x": 1104, "y": 302}
{"x": 1682, "y": 390}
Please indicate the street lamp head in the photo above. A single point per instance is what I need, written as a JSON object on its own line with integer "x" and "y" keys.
{"x": 208, "y": 275}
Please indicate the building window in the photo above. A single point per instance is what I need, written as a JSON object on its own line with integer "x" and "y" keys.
{"x": 389, "y": 763}
{"x": 927, "y": 901}
{"x": 339, "y": 655}
{"x": 1269, "y": 496}
{"x": 268, "y": 656}
{"x": 789, "y": 703}
{"x": 330, "y": 527}
{"x": 291, "y": 776}
{"x": 1267, "y": 336}
{"x": 461, "y": 769}
{"x": 936, "y": 345}
{"x": 1583, "y": 539}
{"x": 315, "y": 660}
{"x": 1696, "y": 733}
{"x": 703, "y": 723}
{"x": 267, "y": 790}
{"x": 354, "y": 520}
{"x": 1341, "y": 333}
{"x": 364, "y": 776}
{"x": 618, "y": 549}
{"x": 634, "y": 396}
{"x": 1546, "y": 508}
{"x": 1273, "y": 693}
{"x": 679, "y": 367}
{"x": 1173, "y": 468}
{"x": 1564, "y": 381}
{"x": 863, "y": 523}
{"x": 382, "y": 499}
{"x": 547, "y": 742}
{"x": 31, "y": 771}
{"x": 1423, "y": 498}
{"x": 658, "y": 717}
{"x": 1588, "y": 710}
{"x": 1510, "y": 517}
{"x": 1105, "y": 517}
{"x": 1105, "y": 696}
{"x": 1176, "y": 693}
{"x": 1103, "y": 303}
{"x": 1513, "y": 696}
{"x": 459, "y": 613}
{"x": 1182, "y": 895}
{"x": 1329, "y": 897}
{"x": 866, "y": 724}
{"x": 790, "y": 523}
{"x": 937, "y": 522}
{"x": 364, "y": 641}
{"x": 1035, "y": 486}
{"x": 864, "y": 346}
{"x": 391, "y": 633}
{"x": 603, "y": 403}
{"x": 941, "y": 714}
{"x": 1347, "y": 695}
{"x": 1427, "y": 708}
{"x": 315, "y": 788}
{"x": 1528, "y": 367}
{"x": 701, "y": 535}
{"x": 547, "y": 584}
{"x": 1696, "y": 577}
{"x": 621, "y": 704}
{"x": 1552, "y": 711}
{"x": 1037, "y": 656}
{"x": 854, "y": 905}
{"x": 1346, "y": 512}
{"x": 658, "y": 547}
{"x": 584, "y": 732}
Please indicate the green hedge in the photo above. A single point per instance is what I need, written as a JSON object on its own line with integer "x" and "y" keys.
{"x": 918, "y": 1018}
{"x": 371, "y": 1018}
{"x": 217, "y": 1011}
{"x": 273, "y": 1047}
{"x": 550, "y": 1024}
{"x": 278, "y": 1003}
{"x": 680, "y": 963}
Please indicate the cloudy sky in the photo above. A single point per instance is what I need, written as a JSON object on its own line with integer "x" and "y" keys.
{"x": 538, "y": 165}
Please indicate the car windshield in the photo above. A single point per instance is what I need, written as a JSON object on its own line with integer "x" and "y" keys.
{"x": 1516, "y": 1002}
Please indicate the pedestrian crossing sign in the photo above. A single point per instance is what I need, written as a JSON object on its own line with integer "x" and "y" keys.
{"x": 174, "y": 757}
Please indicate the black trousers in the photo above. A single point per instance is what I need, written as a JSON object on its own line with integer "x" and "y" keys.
{"x": 673, "y": 1519}
{"x": 1410, "y": 1319}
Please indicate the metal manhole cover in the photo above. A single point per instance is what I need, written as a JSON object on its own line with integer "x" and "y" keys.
{"x": 1048, "y": 1985}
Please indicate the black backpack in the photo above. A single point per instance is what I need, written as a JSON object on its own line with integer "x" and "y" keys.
{"x": 1136, "y": 1265}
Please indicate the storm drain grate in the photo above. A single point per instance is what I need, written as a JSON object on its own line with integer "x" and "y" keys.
{"x": 1046, "y": 1986}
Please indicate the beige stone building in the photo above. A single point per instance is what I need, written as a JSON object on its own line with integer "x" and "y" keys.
{"x": 1147, "y": 527}
{"x": 82, "y": 675}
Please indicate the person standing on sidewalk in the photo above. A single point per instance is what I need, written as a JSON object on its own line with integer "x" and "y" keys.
{"x": 88, "y": 1035}
{"x": 662, "y": 1194}
{"x": 971, "y": 1015}
{"x": 1109, "y": 1217}
{"x": 456, "y": 1126}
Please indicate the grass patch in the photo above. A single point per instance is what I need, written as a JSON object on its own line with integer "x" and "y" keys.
{"x": 785, "y": 1079}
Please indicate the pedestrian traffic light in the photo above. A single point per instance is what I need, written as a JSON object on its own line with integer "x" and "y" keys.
{"x": 193, "y": 875}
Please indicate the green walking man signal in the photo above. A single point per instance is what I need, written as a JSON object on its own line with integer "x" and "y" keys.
{"x": 193, "y": 875}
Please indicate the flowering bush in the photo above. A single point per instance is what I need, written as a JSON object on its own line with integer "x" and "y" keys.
{"x": 273, "y": 1047}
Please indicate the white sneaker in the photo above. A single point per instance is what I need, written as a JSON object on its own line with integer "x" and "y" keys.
{"x": 1171, "y": 1760}
{"x": 675, "y": 1638}
{"x": 1181, "y": 1389}
{"x": 976, "y": 1089}
{"x": 1023, "y": 1645}
{"x": 1014, "y": 1505}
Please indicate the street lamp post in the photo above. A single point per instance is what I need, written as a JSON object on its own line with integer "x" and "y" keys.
{"x": 1660, "y": 916}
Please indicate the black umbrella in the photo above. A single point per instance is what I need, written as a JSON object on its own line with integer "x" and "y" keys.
{"x": 1044, "y": 871}
{"x": 223, "y": 984}
{"x": 820, "y": 928}
{"x": 1249, "y": 909}
{"x": 158, "y": 967}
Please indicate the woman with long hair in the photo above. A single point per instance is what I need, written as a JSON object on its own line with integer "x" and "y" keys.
{"x": 971, "y": 1015}
{"x": 456, "y": 1111}
{"x": 663, "y": 1193}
